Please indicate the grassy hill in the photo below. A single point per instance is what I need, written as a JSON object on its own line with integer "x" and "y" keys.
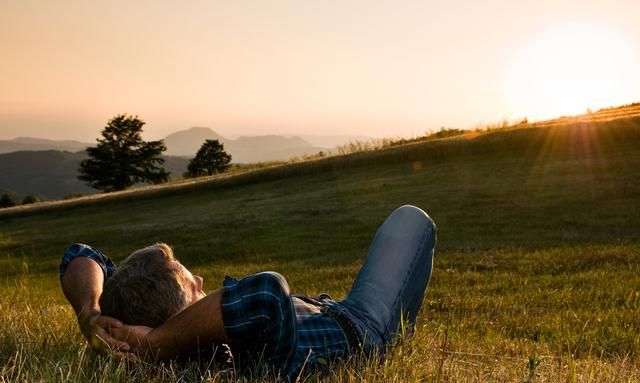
{"x": 537, "y": 269}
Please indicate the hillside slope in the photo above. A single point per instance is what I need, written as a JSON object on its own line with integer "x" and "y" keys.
{"x": 544, "y": 175}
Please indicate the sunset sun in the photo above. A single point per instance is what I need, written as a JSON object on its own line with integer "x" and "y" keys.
{"x": 567, "y": 69}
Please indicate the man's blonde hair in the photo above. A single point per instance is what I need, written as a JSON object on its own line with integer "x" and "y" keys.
{"x": 147, "y": 288}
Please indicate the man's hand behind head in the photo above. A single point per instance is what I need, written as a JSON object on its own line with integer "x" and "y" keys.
{"x": 95, "y": 328}
{"x": 134, "y": 336}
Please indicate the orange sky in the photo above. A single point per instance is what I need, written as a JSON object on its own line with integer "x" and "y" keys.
{"x": 375, "y": 68}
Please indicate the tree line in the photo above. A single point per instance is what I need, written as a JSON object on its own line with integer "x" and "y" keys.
{"x": 122, "y": 158}
{"x": 6, "y": 200}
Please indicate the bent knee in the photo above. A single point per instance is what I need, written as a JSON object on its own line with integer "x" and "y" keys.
{"x": 418, "y": 218}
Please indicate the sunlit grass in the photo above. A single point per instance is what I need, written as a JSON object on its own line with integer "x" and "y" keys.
{"x": 487, "y": 316}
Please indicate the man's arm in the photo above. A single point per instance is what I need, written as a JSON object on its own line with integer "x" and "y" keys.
{"x": 199, "y": 324}
{"x": 82, "y": 285}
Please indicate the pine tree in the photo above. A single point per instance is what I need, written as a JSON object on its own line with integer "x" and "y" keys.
{"x": 121, "y": 158}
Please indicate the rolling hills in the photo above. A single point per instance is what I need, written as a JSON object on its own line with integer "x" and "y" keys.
{"x": 48, "y": 168}
{"x": 53, "y": 174}
{"x": 20, "y": 144}
{"x": 185, "y": 143}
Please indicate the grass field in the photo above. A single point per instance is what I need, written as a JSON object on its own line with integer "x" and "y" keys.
{"x": 537, "y": 269}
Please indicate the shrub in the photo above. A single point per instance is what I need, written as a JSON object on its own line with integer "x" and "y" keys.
{"x": 29, "y": 199}
{"x": 7, "y": 201}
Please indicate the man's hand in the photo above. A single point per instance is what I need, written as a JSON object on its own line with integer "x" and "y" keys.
{"x": 95, "y": 327}
{"x": 131, "y": 335}
{"x": 197, "y": 325}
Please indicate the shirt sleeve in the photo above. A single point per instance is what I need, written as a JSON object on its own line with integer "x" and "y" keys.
{"x": 82, "y": 250}
{"x": 259, "y": 317}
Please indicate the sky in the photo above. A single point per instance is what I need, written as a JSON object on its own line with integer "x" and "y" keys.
{"x": 332, "y": 67}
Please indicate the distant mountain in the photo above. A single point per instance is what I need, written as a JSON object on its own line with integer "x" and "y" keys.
{"x": 268, "y": 148}
{"x": 29, "y": 143}
{"x": 52, "y": 174}
{"x": 187, "y": 142}
{"x": 244, "y": 149}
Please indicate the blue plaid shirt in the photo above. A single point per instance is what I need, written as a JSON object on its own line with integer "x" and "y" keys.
{"x": 290, "y": 333}
{"x": 81, "y": 250}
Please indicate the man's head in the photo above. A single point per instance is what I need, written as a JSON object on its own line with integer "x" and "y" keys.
{"x": 149, "y": 287}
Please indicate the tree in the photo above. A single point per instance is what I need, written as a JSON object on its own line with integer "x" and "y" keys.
{"x": 210, "y": 159}
{"x": 121, "y": 158}
{"x": 29, "y": 199}
{"x": 7, "y": 201}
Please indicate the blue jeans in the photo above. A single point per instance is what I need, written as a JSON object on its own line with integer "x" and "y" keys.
{"x": 390, "y": 286}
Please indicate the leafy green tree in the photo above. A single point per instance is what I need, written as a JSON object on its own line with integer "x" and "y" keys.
{"x": 210, "y": 159}
{"x": 121, "y": 158}
{"x": 7, "y": 201}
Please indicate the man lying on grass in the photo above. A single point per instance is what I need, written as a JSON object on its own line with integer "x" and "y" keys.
{"x": 163, "y": 312}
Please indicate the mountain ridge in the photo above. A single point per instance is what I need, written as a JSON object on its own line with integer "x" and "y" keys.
{"x": 244, "y": 149}
{"x": 32, "y": 144}
{"x": 185, "y": 143}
